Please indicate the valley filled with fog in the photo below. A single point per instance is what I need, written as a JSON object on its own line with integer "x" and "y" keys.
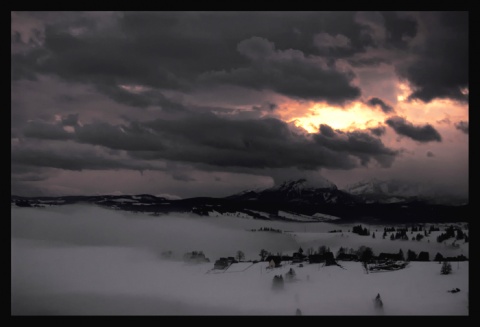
{"x": 88, "y": 260}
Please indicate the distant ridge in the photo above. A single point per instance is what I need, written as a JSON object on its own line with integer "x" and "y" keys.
{"x": 293, "y": 200}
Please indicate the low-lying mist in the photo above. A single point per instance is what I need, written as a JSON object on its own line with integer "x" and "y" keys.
{"x": 87, "y": 260}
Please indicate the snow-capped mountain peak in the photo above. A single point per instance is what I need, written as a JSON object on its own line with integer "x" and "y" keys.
{"x": 390, "y": 187}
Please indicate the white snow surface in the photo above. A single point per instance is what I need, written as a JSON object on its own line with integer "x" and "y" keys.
{"x": 325, "y": 216}
{"x": 261, "y": 213}
{"x": 87, "y": 260}
{"x": 296, "y": 217}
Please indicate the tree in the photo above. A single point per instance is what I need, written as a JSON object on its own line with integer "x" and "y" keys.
{"x": 411, "y": 255}
{"x": 290, "y": 275}
{"x": 322, "y": 249}
{"x": 310, "y": 251}
{"x": 392, "y": 236}
{"x": 373, "y": 235}
{"x": 340, "y": 251}
{"x": 329, "y": 259}
{"x": 240, "y": 255}
{"x": 365, "y": 253}
{"x": 277, "y": 283}
{"x": 263, "y": 254}
{"x": 423, "y": 256}
{"x": 438, "y": 257}
{"x": 401, "y": 256}
{"x": 446, "y": 268}
{"x": 378, "y": 301}
{"x": 300, "y": 250}
{"x": 360, "y": 231}
{"x": 449, "y": 232}
{"x": 460, "y": 234}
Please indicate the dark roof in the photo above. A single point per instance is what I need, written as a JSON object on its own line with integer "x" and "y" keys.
{"x": 275, "y": 258}
{"x": 348, "y": 256}
{"x": 316, "y": 258}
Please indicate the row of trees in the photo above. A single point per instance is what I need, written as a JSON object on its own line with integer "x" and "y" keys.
{"x": 363, "y": 253}
{"x": 403, "y": 236}
{"x": 422, "y": 256}
{"x": 320, "y": 250}
{"x": 267, "y": 229}
{"x": 346, "y": 250}
{"x": 195, "y": 256}
{"x": 360, "y": 230}
{"x": 450, "y": 233}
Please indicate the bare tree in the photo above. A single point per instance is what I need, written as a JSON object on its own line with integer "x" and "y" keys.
{"x": 240, "y": 255}
{"x": 263, "y": 254}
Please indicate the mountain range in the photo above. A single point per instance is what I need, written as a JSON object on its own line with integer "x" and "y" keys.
{"x": 294, "y": 200}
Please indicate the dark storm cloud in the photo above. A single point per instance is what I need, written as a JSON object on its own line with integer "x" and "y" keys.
{"x": 357, "y": 143}
{"x": 333, "y": 46}
{"x": 132, "y": 137}
{"x": 70, "y": 120}
{"x": 71, "y": 156}
{"x": 462, "y": 126}
{"x": 24, "y": 65}
{"x": 288, "y": 72}
{"x": 379, "y": 102}
{"x": 267, "y": 107}
{"x": 107, "y": 60}
{"x": 183, "y": 177}
{"x": 401, "y": 28}
{"x": 263, "y": 143}
{"x": 326, "y": 41}
{"x": 126, "y": 94}
{"x": 326, "y": 130}
{"x": 439, "y": 68}
{"x": 208, "y": 140}
{"x": 425, "y": 133}
{"x": 183, "y": 50}
{"x": 383, "y": 38}
{"x": 154, "y": 49}
{"x": 373, "y": 24}
{"x": 22, "y": 173}
{"x": 42, "y": 130}
{"x": 377, "y": 131}
{"x": 93, "y": 71}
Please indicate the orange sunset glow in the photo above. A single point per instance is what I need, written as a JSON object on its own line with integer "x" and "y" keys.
{"x": 358, "y": 115}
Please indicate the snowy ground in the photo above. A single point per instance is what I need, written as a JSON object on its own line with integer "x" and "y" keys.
{"x": 84, "y": 260}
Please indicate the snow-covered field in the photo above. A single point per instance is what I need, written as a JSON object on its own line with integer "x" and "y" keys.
{"x": 85, "y": 260}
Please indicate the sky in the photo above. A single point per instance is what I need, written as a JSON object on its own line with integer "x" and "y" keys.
{"x": 183, "y": 104}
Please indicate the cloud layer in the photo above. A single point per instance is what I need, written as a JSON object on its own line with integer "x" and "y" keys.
{"x": 222, "y": 92}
